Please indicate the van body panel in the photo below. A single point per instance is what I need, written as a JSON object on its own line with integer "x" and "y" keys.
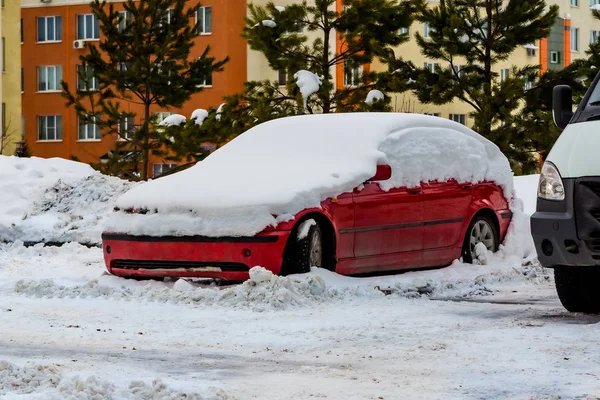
{"x": 576, "y": 153}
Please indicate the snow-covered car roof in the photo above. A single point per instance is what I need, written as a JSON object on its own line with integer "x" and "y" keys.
{"x": 285, "y": 165}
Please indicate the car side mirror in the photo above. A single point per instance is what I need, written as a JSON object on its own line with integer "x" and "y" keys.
{"x": 383, "y": 173}
{"x": 562, "y": 105}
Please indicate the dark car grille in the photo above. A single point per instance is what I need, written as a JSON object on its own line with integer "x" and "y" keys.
{"x": 587, "y": 212}
{"x": 189, "y": 265}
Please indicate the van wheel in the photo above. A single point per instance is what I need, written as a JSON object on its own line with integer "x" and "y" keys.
{"x": 481, "y": 229}
{"x": 304, "y": 253}
{"x": 577, "y": 288}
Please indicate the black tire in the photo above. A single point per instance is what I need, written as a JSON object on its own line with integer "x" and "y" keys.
{"x": 297, "y": 259}
{"x": 577, "y": 288}
{"x": 492, "y": 237}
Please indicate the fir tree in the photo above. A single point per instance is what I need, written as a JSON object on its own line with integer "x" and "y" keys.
{"x": 301, "y": 36}
{"x": 469, "y": 38}
{"x": 145, "y": 60}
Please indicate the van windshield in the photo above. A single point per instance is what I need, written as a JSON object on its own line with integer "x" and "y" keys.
{"x": 594, "y": 100}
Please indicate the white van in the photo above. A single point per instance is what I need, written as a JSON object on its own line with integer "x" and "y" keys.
{"x": 566, "y": 225}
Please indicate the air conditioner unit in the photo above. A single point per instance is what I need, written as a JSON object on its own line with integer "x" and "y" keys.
{"x": 79, "y": 44}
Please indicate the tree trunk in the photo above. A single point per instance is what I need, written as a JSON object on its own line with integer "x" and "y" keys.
{"x": 325, "y": 61}
{"x": 146, "y": 146}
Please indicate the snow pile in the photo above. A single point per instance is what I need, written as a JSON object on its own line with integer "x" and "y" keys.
{"x": 248, "y": 194}
{"x": 269, "y": 23}
{"x": 49, "y": 382}
{"x": 173, "y": 120}
{"x": 308, "y": 83}
{"x": 199, "y": 116}
{"x": 374, "y": 95}
{"x": 66, "y": 210}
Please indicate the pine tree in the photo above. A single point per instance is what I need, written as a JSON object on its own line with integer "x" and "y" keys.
{"x": 470, "y": 38}
{"x": 144, "y": 59}
{"x": 300, "y": 37}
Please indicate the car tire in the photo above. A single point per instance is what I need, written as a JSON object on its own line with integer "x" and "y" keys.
{"x": 577, "y": 288}
{"x": 481, "y": 229}
{"x": 304, "y": 253}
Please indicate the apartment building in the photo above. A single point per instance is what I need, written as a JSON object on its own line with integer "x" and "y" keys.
{"x": 53, "y": 34}
{"x": 10, "y": 82}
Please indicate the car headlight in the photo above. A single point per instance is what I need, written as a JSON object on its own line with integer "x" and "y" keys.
{"x": 551, "y": 186}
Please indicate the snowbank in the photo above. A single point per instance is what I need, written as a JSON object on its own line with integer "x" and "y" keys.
{"x": 173, "y": 120}
{"x": 54, "y": 200}
{"x": 199, "y": 115}
{"x": 286, "y": 165}
{"x": 374, "y": 95}
{"x": 52, "y": 383}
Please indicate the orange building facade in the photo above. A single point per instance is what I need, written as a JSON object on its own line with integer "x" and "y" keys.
{"x": 51, "y": 41}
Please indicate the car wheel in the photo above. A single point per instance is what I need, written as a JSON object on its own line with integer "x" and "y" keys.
{"x": 577, "y": 288}
{"x": 304, "y": 253}
{"x": 481, "y": 229}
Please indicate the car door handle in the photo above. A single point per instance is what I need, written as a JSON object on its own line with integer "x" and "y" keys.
{"x": 465, "y": 186}
{"x": 414, "y": 190}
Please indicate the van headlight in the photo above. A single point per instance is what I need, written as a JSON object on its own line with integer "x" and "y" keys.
{"x": 551, "y": 186}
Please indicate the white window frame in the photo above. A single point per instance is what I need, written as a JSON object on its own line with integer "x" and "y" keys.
{"x": 404, "y": 31}
{"x": 161, "y": 115}
{"x": 594, "y": 36}
{"x": 56, "y": 124}
{"x": 124, "y": 20}
{"x": 426, "y": 30}
{"x": 282, "y": 77}
{"x": 164, "y": 168}
{"x": 57, "y": 30}
{"x": 574, "y": 3}
{"x": 528, "y": 85}
{"x": 460, "y": 118}
{"x": 594, "y": 2}
{"x": 92, "y": 131}
{"x": 203, "y": 29}
{"x": 95, "y": 27}
{"x": 456, "y": 67}
{"x": 504, "y": 74}
{"x": 208, "y": 81}
{"x": 92, "y": 80}
{"x": 554, "y": 57}
{"x": 431, "y": 66}
{"x": 356, "y": 75}
{"x": 531, "y": 52}
{"x": 43, "y": 70}
{"x": 575, "y": 39}
{"x": 124, "y": 125}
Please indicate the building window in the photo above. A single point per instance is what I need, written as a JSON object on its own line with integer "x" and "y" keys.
{"x": 352, "y": 73}
{"x": 504, "y": 72}
{"x": 49, "y": 29}
{"x": 426, "y": 31}
{"x": 458, "y": 70}
{"x": 204, "y": 20}
{"x": 49, "y": 127}
{"x": 161, "y": 115}
{"x": 574, "y": 3}
{"x": 22, "y": 80}
{"x": 531, "y": 52}
{"x": 594, "y": 36}
{"x": 282, "y": 77}
{"x": 404, "y": 31}
{"x": 49, "y": 78}
{"x": 22, "y": 31}
{"x": 88, "y": 128}
{"x": 160, "y": 169}
{"x": 431, "y": 66}
{"x": 460, "y": 118}
{"x": 528, "y": 85}
{"x": 126, "y": 128}
{"x": 594, "y": 2}
{"x": 574, "y": 39}
{"x": 207, "y": 81}
{"x": 88, "y": 27}
{"x": 3, "y": 119}
{"x": 167, "y": 17}
{"x": 124, "y": 20}
{"x": 554, "y": 57}
{"x": 86, "y": 79}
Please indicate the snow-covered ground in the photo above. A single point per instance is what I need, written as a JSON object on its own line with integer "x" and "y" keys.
{"x": 70, "y": 331}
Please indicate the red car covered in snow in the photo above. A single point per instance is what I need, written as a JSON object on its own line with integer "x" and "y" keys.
{"x": 384, "y": 192}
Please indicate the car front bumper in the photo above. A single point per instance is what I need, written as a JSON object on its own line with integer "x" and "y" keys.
{"x": 228, "y": 258}
{"x": 568, "y": 232}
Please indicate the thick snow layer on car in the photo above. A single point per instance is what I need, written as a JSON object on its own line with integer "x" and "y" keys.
{"x": 286, "y": 165}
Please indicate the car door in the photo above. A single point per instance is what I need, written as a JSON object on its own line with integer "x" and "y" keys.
{"x": 445, "y": 205}
{"x": 387, "y": 222}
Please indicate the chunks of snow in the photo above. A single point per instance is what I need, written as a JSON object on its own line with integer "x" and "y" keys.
{"x": 308, "y": 83}
{"x": 219, "y": 111}
{"x": 305, "y": 228}
{"x": 173, "y": 120}
{"x": 199, "y": 116}
{"x": 289, "y": 164}
{"x": 280, "y": 8}
{"x": 374, "y": 95}
{"x": 269, "y": 23}
{"x": 595, "y": 7}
